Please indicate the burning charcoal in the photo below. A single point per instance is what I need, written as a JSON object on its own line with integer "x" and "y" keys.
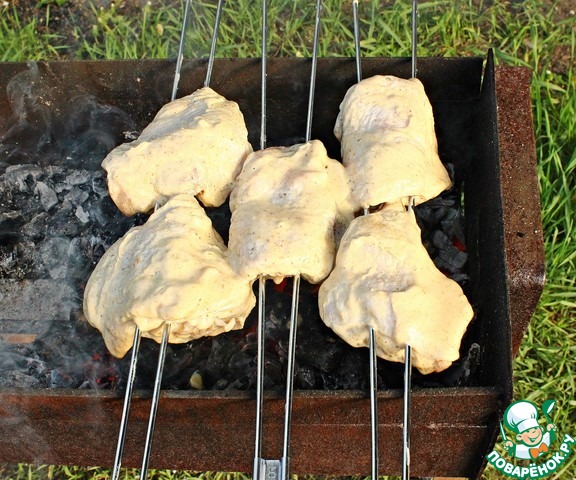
{"x": 451, "y": 260}
{"x": 440, "y": 240}
{"x": 60, "y": 379}
{"x": 452, "y": 225}
{"x": 23, "y": 177}
{"x": 48, "y": 197}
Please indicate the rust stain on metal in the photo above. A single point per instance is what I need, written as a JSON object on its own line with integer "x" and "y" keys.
{"x": 521, "y": 199}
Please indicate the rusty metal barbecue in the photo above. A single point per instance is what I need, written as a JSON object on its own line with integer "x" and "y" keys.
{"x": 487, "y": 108}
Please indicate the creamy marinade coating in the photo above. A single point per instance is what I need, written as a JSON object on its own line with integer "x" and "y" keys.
{"x": 195, "y": 145}
{"x": 288, "y": 205}
{"x": 385, "y": 279}
{"x": 175, "y": 269}
{"x": 388, "y": 143}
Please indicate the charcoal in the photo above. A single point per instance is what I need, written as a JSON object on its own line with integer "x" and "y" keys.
{"x": 37, "y": 227}
{"x": 48, "y": 197}
{"x": 78, "y": 263}
{"x": 351, "y": 374}
{"x": 81, "y": 214}
{"x": 221, "y": 384}
{"x": 451, "y": 260}
{"x": 440, "y": 240}
{"x": 223, "y": 349}
{"x": 102, "y": 211}
{"x": 59, "y": 379}
{"x": 77, "y": 196}
{"x": 23, "y": 177}
{"x": 452, "y": 225}
{"x": 53, "y": 254}
{"x": 64, "y": 223}
{"x": 10, "y": 223}
{"x": 8, "y": 261}
{"x": 306, "y": 378}
{"x": 242, "y": 363}
{"x": 99, "y": 185}
{"x": 319, "y": 351}
{"x": 78, "y": 177}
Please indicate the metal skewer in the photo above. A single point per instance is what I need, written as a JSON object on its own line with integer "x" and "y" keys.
{"x": 406, "y": 420}
{"x": 371, "y": 334}
{"x": 262, "y": 468}
{"x": 166, "y": 328}
{"x": 274, "y": 469}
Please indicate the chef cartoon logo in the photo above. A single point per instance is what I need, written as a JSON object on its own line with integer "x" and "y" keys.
{"x": 530, "y": 440}
{"x": 525, "y": 438}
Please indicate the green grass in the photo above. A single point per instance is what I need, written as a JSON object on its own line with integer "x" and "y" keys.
{"x": 521, "y": 33}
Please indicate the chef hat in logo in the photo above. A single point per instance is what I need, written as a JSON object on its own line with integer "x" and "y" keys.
{"x": 521, "y": 416}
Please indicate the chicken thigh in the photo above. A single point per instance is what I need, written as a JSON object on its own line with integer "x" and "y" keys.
{"x": 385, "y": 279}
{"x": 288, "y": 207}
{"x": 174, "y": 269}
{"x": 388, "y": 143}
{"x": 195, "y": 145}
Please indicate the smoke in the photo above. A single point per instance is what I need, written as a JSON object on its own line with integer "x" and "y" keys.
{"x": 56, "y": 124}
{"x": 56, "y": 221}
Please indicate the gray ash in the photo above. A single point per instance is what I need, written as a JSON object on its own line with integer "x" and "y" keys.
{"x": 56, "y": 222}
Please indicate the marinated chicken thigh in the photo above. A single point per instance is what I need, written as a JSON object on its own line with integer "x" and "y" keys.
{"x": 174, "y": 269}
{"x": 288, "y": 207}
{"x": 194, "y": 145}
{"x": 389, "y": 147}
{"x": 384, "y": 278}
